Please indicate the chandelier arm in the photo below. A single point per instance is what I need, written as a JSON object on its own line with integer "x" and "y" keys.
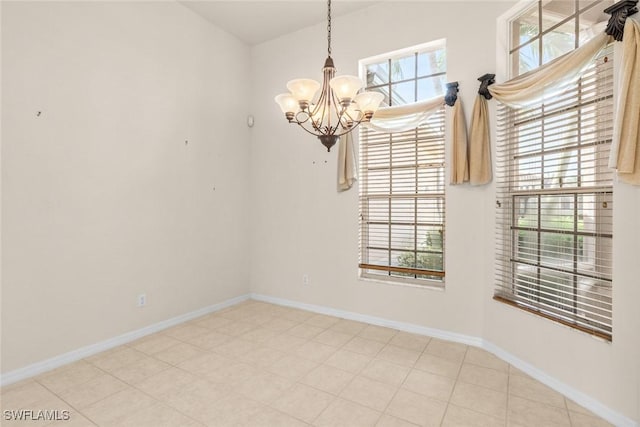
{"x": 355, "y": 125}
{"x": 302, "y": 125}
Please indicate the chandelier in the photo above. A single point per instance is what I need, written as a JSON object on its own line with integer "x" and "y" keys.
{"x": 334, "y": 111}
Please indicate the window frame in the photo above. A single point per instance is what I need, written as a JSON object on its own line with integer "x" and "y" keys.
{"x": 424, "y": 283}
{"x": 506, "y": 22}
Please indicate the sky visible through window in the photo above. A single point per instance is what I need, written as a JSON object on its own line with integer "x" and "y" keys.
{"x": 410, "y": 78}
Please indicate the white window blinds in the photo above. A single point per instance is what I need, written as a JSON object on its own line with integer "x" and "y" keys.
{"x": 554, "y": 206}
{"x": 402, "y": 203}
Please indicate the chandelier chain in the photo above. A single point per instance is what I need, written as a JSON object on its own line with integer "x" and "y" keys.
{"x": 329, "y": 27}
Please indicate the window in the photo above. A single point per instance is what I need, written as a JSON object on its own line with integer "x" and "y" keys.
{"x": 554, "y": 207}
{"x": 402, "y": 176}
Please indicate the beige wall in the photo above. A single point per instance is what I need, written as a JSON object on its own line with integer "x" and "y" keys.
{"x": 301, "y": 225}
{"x": 102, "y": 200}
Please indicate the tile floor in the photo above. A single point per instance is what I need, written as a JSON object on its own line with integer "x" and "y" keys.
{"x": 258, "y": 364}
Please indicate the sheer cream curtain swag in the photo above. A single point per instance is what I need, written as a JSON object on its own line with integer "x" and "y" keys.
{"x": 404, "y": 118}
{"x": 557, "y": 76}
{"x": 521, "y": 91}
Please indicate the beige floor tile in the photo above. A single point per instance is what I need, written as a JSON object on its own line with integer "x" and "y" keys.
{"x": 154, "y": 343}
{"x": 574, "y": 407}
{"x": 483, "y": 358}
{"x": 370, "y": 393}
{"x": 348, "y": 361}
{"x": 233, "y": 410}
{"x": 235, "y": 328}
{"x": 333, "y": 338}
{"x": 119, "y": 405}
{"x": 480, "y": 399}
{"x": 232, "y": 373}
{"x": 515, "y": 371}
{"x": 377, "y": 333}
{"x": 210, "y": 340}
{"x": 303, "y": 402}
{"x": 195, "y": 396}
{"x": 531, "y": 389}
{"x": 178, "y": 353}
{"x": 140, "y": 370}
{"x": 321, "y": 320}
{"x": 342, "y": 413}
{"x": 69, "y": 376}
{"x": 385, "y": 372}
{"x": 204, "y": 364}
{"x": 279, "y": 324}
{"x": 350, "y": 327}
{"x": 363, "y": 346}
{"x": 115, "y": 358}
{"x": 285, "y": 342}
{"x": 158, "y": 415}
{"x": 447, "y": 350}
{"x": 269, "y": 417}
{"x": 296, "y": 315}
{"x": 410, "y": 341}
{"x": 315, "y": 351}
{"x": 185, "y": 332}
{"x": 486, "y": 377}
{"x": 23, "y": 395}
{"x": 262, "y": 357}
{"x": 263, "y": 387}
{"x": 292, "y": 367}
{"x": 387, "y": 420}
{"x": 327, "y": 378}
{"x": 582, "y": 420}
{"x": 305, "y": 331}
{"x": 92, "y": 391}
{"x": 457, "y": 416}
{"x": 235, "y": 313}
{"x": 259, "y": 335}
{"x": 259, "y": 319}
{"x": 399, "y": 355}
{"x": 165, "y": 383}
{"x": 259, "y": 364}
{"x": 438, "y": 365}
{"x": 528, "y": 413}
{"x": 416, "y": 408}
{"x": 234, "y": 348}
{"x": 213, "y": 321}
{"x": 431, "y": 385}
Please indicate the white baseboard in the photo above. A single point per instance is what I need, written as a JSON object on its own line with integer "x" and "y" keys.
{"x": 75, "y": 355}
{"x": 379, "y": 321}
{"x": 580, "y": 398}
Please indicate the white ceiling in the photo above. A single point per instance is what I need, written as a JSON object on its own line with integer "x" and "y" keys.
{"x": 258, "y": 21}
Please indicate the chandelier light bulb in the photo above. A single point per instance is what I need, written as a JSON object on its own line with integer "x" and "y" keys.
{"x": 288, "y": 104}
{"x": 303, "y": 90}
{"x": 346, "y": 87}
{"x": 368, "y": 103}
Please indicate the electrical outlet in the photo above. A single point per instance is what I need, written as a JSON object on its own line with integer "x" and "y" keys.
{"x": 305, "y": 279}
{"x": 142, "y": 300}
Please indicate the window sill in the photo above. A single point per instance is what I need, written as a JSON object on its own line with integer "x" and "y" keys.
{"x": 428, "y": 285}
{"x": 600, "y": 336}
